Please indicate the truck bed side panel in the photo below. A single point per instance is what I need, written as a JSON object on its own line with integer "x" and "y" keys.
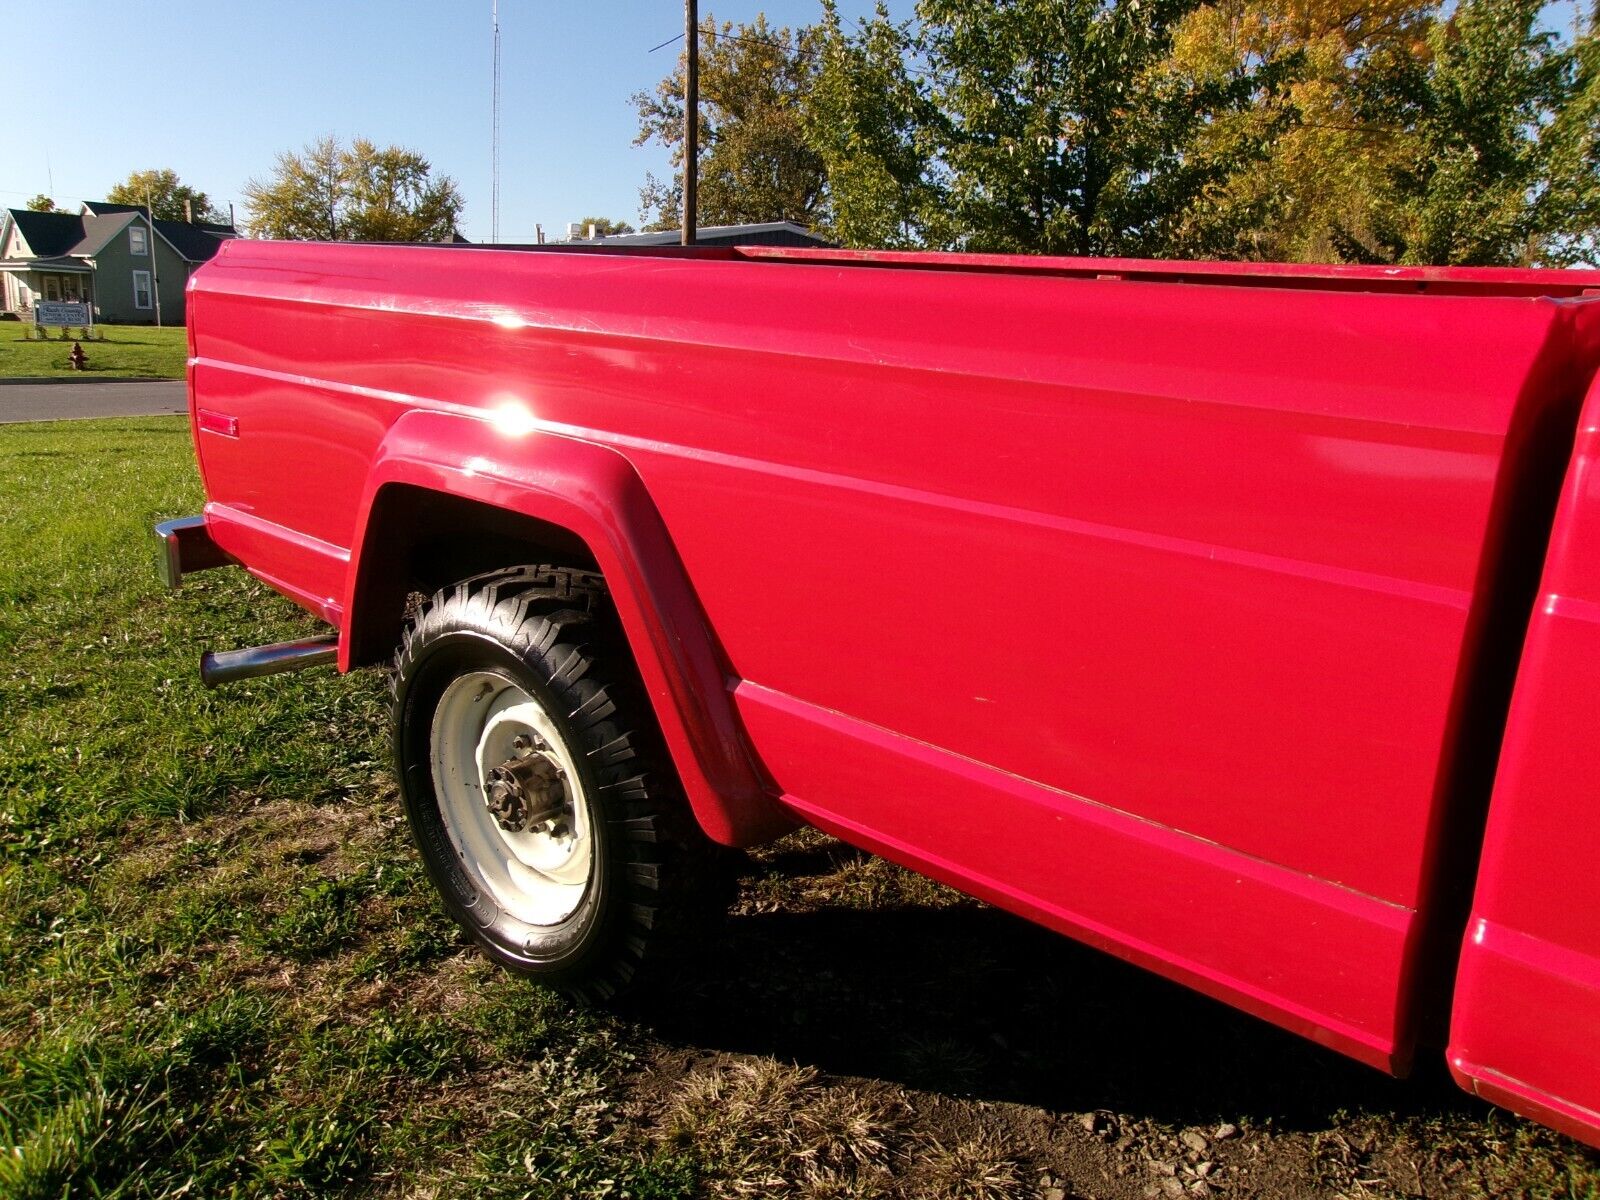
{"x": 1526, "y": 1026}
{"x": 1137, "y": 607}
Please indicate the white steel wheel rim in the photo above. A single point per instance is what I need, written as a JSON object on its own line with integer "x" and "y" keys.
{"x": 537, "y": 874}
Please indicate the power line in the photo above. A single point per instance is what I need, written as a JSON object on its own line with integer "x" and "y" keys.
{"x": 52, "y": 193}
{"x": 731, "y": 37}
{"x": 927, "y": 72}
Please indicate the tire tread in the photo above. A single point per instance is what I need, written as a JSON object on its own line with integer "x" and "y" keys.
{"x": 559, "y": 621}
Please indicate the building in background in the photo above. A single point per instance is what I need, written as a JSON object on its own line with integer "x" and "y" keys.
{"x": 110, "y": 255}
{"x": 766, "y": 233}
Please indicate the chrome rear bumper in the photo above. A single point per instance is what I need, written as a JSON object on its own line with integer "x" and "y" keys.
{"x": 186, "y": 547}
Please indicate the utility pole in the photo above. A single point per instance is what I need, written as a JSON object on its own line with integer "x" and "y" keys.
{"x": 494, "y": 155}
{"x": 155, "y": 271}
{"x": 691, "y": 118}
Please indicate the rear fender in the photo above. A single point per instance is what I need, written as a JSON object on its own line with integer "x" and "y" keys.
{"x": 593, "y": 493}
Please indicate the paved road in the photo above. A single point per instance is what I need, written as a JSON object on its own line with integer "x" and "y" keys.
{"x": 108, "y": 398}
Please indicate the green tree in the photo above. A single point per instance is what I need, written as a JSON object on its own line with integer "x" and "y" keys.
{"x": 1297, "y": 162}
{"x": 165, "y": 194}
{"x": 755, "y": 163}
{"x": 1037, "y": 126}
{"x": 603, "y": 227}
{"x": 870, "y": 123}
{"x": 41, "y": 203}
{"x": 1475, "y": 117}
{"x": 1053, "y": 140}
{"x": 1570, "y": 205}
{"x": 331, "y": 192}
{"x": 1389, "y": 131}
{"x": 303, "y": 198}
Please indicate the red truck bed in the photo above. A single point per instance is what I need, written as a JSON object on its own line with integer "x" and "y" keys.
{"x": 1176, "y": 606}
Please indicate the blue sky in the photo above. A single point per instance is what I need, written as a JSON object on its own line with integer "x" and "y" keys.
{"x": 215, "y": 91}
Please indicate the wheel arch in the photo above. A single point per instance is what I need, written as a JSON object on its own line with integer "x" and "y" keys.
{"x": 451, "y": 492}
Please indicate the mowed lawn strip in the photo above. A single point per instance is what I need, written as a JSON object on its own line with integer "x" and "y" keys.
{"x": 225, "y": 975}
{"x": 128, "y": 352}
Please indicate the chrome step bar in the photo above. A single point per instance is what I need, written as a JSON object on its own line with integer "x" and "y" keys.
{"x": 229, "y": 666}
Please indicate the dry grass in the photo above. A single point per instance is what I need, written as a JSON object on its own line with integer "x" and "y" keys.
{"x": 809, "y": 870}
{"x": 767, "y": 1128}
{"x": 981, "y": 1166}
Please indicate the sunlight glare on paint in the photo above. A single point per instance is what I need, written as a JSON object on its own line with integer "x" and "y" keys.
{"x": 513, "y": 418}
{"x": 508, "y": 320}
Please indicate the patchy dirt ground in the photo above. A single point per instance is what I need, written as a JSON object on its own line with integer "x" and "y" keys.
{"x": 852, "y": 1030}
{"x": 951, "y": 1049}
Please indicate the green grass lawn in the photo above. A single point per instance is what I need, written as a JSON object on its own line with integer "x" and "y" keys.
{"x": 223, "y": 970}
{"x": 128, "y": 352}
{"x": 222, "y": 973}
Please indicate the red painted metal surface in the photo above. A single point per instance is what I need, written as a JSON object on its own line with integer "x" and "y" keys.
{"x": 1526, "y": 1027}
{"x": 1154, "y": 607}
{"x": 594, "y": 493}
{"x": 1435, "y": 281}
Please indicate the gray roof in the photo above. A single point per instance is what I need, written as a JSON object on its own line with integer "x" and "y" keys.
{"x": 83, "y": 235}
{"x": 102, "y": 208}
{"x": 98, "y": 230}
{"x": 763, "y": 233}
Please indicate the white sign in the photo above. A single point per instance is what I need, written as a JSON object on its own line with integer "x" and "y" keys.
{"x": 60, "y": 312}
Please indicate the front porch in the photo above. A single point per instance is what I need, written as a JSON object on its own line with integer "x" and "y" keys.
{"x": 28, "y": 282}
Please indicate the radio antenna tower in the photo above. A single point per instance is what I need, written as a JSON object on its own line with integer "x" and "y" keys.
{"x": 494, "y": 158}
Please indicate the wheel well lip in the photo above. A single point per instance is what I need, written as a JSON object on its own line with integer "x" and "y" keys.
{"x": 593, "y": 493}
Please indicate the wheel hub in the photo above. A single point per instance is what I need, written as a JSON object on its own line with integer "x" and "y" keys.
{"x": 512, "y": 798}
{"x": 525, "y": 790}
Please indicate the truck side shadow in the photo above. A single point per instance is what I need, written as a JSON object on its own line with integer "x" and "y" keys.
{"x": 970, "y": 1001}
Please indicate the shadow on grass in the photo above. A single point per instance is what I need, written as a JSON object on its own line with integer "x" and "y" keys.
{"x": 970, "y": 1001}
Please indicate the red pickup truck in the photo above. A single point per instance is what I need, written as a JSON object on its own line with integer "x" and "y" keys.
{"x": 1240, "y": 620}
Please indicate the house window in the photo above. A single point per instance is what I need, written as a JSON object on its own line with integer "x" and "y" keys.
{"x": 52, "y": 287}
{"x": 137, "y": 243}
{"x": 141, "y": 289}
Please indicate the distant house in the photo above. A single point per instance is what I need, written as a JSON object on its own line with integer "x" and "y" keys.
{"x": 111, "y": 255}
{"x": 765, "y": 233}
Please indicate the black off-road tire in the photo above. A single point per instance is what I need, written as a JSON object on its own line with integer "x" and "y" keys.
{"x": 654, "y": 877}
